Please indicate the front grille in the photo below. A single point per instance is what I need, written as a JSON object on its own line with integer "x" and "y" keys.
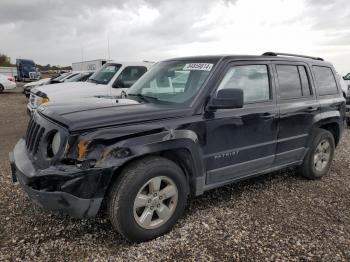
{"x": 33, "y": 136}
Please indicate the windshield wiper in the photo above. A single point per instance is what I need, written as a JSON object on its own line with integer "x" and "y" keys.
{"x": 144, "y": 98}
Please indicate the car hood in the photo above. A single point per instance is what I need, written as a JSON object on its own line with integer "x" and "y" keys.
{"x": 71, "y": 90}
{"x": 93, "y": 113}
{"x": 39, "y": 82}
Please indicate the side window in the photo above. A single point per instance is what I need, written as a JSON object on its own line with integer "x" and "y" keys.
{"x": 325, "y": 80}
{"x": 129, "y": 76}
{"x": 289, "y": 81}
{"x": 252, "y": 79}
{"x": 305, "y": 83}
{"x": 293, "y": 81}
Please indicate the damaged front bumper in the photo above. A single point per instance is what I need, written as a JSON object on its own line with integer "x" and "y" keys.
{"x": 65, "y": 188}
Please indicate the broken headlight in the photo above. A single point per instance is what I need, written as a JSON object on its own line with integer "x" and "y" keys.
{"x": 54, "y": 144}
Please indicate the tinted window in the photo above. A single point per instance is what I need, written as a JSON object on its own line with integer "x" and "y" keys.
{"x": 325, "y": 80}
{"x": 130, "y": 75}
{"x": 252, "y": 79}
{"x": 305, "y": 84}
{"x": 289, "y": 81}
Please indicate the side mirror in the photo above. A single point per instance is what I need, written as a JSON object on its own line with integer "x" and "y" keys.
{"x": 227, "y": 99}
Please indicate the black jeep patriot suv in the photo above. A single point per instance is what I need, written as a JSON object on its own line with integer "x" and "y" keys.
{"x": 187, "y": 126}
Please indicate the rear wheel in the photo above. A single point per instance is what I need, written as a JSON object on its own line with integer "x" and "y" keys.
{"x": 147, "y": 199}
{"x": 318, "y": 160}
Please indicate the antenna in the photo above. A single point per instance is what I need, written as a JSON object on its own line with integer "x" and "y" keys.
{"x": 82, "y": 59}
{"x": 109, "y": 51}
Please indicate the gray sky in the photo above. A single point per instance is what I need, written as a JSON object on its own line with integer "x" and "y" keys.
{"x": 61, "y": 32}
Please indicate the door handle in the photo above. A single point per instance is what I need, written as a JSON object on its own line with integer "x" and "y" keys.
{"x": 267, "y": 115}
{"x": 311, "y": 109}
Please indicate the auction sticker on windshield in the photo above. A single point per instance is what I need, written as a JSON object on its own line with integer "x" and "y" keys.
{"x": 198, "y": 66}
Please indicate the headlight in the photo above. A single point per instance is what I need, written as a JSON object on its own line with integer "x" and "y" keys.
{"x": 56, "y": 142}
{"x": 42, "y": 100}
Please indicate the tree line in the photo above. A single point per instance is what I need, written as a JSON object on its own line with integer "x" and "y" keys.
{"x": 6, "y": 61}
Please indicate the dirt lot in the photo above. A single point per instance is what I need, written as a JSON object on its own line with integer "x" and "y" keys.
{"x": 277, "y": 216}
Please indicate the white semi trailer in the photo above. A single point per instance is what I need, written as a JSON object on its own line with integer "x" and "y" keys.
{"x": 92, "y": 65}
{"x": 8, "y": 71}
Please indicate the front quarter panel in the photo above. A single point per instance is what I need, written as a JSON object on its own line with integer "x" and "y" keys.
{"x": 115, "y": 147}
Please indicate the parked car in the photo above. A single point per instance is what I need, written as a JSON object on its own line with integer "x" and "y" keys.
{"x": 7, "y": 82}
{"x": 234, "y": 117}
{"x": 347, "y": 80}
{"x": 112, "y": 79}
{"x": 41, "y": 82}
{"x": 80, "y": 76}
{"x": 346, "y": 84}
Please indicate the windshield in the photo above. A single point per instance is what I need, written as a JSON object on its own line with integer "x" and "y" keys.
{"x": 79, "y": 77}
{"x": 347, "y": 77}
{"x": 27, "y": 65}
{"x": 58, "y": 78}
{"x": 173, "y": 82}
{"x": 105, "y": 74}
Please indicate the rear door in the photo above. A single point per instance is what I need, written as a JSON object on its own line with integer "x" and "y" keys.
{"x": 297, "y": 106}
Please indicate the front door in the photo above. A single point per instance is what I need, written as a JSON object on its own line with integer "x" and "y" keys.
{"x": 241, "y": 142}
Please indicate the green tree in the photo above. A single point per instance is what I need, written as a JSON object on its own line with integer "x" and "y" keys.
{"x": 5, "y": 60}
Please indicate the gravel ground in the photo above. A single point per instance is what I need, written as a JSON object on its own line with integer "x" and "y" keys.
{"x": 280, "y": 216}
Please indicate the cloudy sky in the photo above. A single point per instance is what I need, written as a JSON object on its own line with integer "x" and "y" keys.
{"x": 62, "y": 32}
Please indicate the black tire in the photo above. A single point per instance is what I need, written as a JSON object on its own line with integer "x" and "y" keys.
{"x": 123, "y": 193}
{"x": 308, "y": 168}
{"x": 1, "y": 88}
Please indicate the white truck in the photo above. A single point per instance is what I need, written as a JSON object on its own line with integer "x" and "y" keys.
{"x": 113, "y": 80}
{"x": 92, "y": 65}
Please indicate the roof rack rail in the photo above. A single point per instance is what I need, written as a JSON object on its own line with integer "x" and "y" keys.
{"x": 285, "y": 54}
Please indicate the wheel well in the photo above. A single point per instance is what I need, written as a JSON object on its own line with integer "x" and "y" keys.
{"x": 182, "y": 157}
{"x": 334, "y": 129}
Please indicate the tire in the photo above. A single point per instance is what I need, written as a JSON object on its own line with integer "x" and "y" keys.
{"x": 1, "y": 88}
{"x": 313, "y": 166}
{"x": 135, "y": 180}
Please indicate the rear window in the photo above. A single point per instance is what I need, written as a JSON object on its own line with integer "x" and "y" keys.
{"x": 293, "y": 81}
{"x": 325, "y": 80}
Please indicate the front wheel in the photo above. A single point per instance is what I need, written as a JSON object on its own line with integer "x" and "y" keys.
{"x": 147, "y": 199}
{"x": 1, "y": 88}
{"x": 319, "y": 158}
